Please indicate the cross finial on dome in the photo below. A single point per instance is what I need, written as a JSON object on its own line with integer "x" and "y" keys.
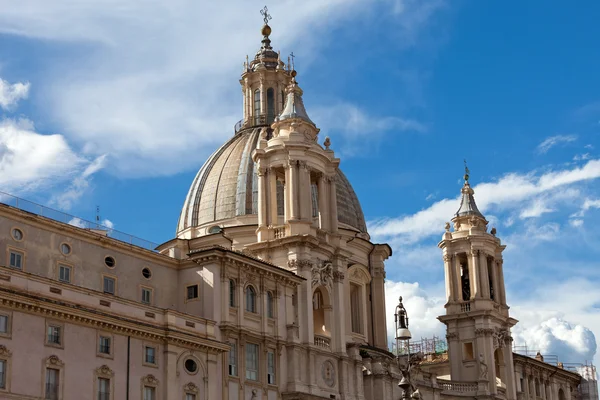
{"x": 265, "y": 13}
{"x": 466, "y": 172}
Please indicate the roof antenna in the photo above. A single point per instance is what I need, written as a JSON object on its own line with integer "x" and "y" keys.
{"x": 466, "y": 172}
{"x": 97, "y": 216}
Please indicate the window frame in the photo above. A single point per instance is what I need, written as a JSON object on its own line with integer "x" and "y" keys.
{"x": 256, "y": 363}
{"x": 111, "y": 345}
{"x": 8, "y": 316}
{"x": 114, "y": 279}
{"x": 10, "y": 251}
{"x": 146, "y": 363}
{"x": 62, "y": 265}
{"x": 356, "y": 311}
{"x": 61, "y": 334}
{"x": 232, "y": 293}
{"x": 270, "y": 305}
{"x": 187, "y": 287}
{"x": 232, "y": 368}
{"x": 256, "y": 110}
{"x": 6, "y": 358}
{"x": 271, "y": 367}
{"x": 190, "y": 389}
{"x": 254, "y": 309}
{"x": 56, "y": 384}
{"x": 54, "y": 363}
{"x": 104, "y": 372}
{"x": 151, "y": 296}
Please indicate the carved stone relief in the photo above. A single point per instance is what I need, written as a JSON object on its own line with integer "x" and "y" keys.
{"x": 322, "y": 274}
{"x": 328, "y": 373}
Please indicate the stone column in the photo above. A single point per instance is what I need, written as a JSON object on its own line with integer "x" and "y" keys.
{"x": 457, "y": 295}
{"x": 244, "y": 92}
{"x": 224, "y": 294}
{"x": 448, "y": 276}
{"x": 287, "y": 211}
{"x": 293, "y": 190}
{"x": 475, "y": 280}
{"x": 339, "y": 312}
{"x": 509, "y": 370}
{"x": 262, "y": 197}
{"x": 322, "y": 197}
{"x": 262, "y": 96}
{"x": 501, "y": 289}
{"x": 305, "y": 192}
{"x": 333, "y": 217}
{"x": 272, "y": 197}
{"x": 483, "y": 275}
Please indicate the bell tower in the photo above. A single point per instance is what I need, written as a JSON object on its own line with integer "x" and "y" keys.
{"x": 477, "y": 318}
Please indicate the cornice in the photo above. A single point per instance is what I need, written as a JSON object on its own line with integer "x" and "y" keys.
{"x": 87, "y": 235}
{"x": 82, "y": 315}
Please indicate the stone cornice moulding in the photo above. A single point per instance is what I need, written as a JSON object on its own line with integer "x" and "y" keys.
{"x": 87, "y": 236}
{"x": 76, "y": 314}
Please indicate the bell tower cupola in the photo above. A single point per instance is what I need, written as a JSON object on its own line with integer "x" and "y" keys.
{"x": 263, "y": 82}
{"x": 477, "y": 318}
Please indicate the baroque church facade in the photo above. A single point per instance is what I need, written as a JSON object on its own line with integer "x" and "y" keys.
{"x": 271, "y": 288}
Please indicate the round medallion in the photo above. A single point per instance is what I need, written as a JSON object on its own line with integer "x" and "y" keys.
{"x": 328, "y": 373}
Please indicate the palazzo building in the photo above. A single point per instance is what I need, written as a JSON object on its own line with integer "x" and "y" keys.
{"x": 271, "y": 288}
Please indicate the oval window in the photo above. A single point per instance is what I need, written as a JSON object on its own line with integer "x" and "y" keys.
{"x": 147, "y": 273}
{"x": 109, "y": 261}
{"x": 65, "y": 249}
{"x": 17, "y": 234}
{"x": 190, "y": 366}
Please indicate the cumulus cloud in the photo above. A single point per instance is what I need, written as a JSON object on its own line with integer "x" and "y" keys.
{"x": 30, "y": 160}
{"x": 150, "y": 87}
{"x": 511, "y": 191}
{"x": 10, "y": 94}
{"x": 573, "y": 343}
{"x": 79, "y": 185}
{"x": 552, "y": 141}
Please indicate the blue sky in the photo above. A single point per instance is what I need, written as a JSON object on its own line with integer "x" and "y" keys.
{"x": 119, "y": 105}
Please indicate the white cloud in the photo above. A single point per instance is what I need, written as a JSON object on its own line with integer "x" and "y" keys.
{"x": 536, "y": 209}
{"x": 10, "y": 94}
{"x": 582, "y": 157}
{"x": 576, "y": 222}
{"x": 151, "y": 87}
{"x": 29, "y": 160}
{"x": 108, "y": 223}
{"x": 78, "y": 186}
{"x": 78, "y": 222}
{"x": 552, "y": 141}
{"x": 509, "y": 192}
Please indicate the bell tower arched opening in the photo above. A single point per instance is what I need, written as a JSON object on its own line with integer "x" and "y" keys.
{"x": 322, "y": 317}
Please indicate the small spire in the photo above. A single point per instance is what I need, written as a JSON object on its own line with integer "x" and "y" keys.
{"x": 467, "y": 202}
{"x": 294, "y": 106}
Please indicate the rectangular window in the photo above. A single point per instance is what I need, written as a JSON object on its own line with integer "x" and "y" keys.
{"x": 149, "y": 393}
{"x": 190, "y": 396}
{"x": 192, "y": 292}
{"x": 54, "y": 335}
{"x": 314, "y": 195}
{"x": 271, "y": 368}
{"x": 233, "y": 358}
{"x": 146, "y": 295}
{"x": 104, "y": 345}
{"x": 2, "y": 374}
{"x": 3, "y": 323}
{"x": 231, "y": 293}
{"x": 252, "y": 362}
{"x": 51, "y": 384}
{"x": 109, "y": 285}
{"x": 355, "y": 308}
{"x": 103, "y": 389}
{"x": 16, "y": 259}
{"x": 468, "y": 351}
{"x": 64, "y": 273}
{"x": 149, "y": 355}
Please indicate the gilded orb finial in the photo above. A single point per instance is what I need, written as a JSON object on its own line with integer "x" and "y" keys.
{"x": 266, "y": 29}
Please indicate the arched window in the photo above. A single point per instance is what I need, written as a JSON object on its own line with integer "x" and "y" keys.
{"x": 537, "y": 387}
{"x": 269, "y": 305}
{"x": 280, "y": 196}
{"x": 491, "y": 278}
{"x": 270, "y": 105}
{"x": 256, "y": 103}
{"x": 355, "y": 309}
{"x": 315, "y": 199}
{"x": 465, "y": 282}
{"x": 250, "y": 299}
{"x": 231, "y": 293}
{"x": 561, "y": 394}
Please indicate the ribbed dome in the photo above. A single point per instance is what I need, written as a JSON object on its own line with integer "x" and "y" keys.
{"x": 226, "y": 187}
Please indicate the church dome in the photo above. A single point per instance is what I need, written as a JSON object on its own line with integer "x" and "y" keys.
{"x": 226, "y": 187}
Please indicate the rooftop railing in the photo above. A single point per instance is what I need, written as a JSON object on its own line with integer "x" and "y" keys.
{"x": 257, "y": 120}
{"x": 96, "y": 227}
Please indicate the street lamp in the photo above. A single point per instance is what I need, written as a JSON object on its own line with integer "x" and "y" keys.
{"x": 403, "y": 334}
